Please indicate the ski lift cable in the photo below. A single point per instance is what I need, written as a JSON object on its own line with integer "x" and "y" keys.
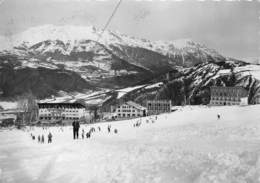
{"x": 109, "y": 20}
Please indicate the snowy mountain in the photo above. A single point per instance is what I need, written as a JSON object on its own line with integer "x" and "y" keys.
{"x": 73, "y": 34}
{"x": 77, "y": 43}
{"x": 113, "y": 60}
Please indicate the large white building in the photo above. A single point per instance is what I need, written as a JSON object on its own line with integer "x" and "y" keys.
{"x": 220, "y": 95}
{"x": 63, "y": 111}
{"x": 130, "y": 110}
{"x": 158, "y": 106}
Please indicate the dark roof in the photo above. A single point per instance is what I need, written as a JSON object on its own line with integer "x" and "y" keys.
{"x": 58, "y": 105}
{"x": 228, "y": 87}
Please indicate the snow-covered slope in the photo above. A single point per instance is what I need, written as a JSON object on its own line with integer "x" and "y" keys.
{"x": 192, "y": 84}
{"x": 186, "y": 146}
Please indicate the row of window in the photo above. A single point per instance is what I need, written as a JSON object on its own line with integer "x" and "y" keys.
{"x": 125, "y": 110}
{"x": 50, "y": 114}
{"x": 159, "y": 105}
{"x": 64, "y": 118}
{"x": 49, "y": 110}
{"x": 128, "y": 115}
{"x": 225, "y": 103}
{"x": 159, "y": 108}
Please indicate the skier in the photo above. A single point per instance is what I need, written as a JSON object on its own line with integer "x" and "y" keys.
{"x": 108, "y": 128}
{"x": 49, "y": 137}
{"x": 42, "y": 139}
{"x": 76, "y": 127}
{"x": 83, "y": 133}
{"x": 218, "y": 116}
{"x": 39, "y": 138}
{"x": 88, "y": 134}
{"x": 115, "y": 131}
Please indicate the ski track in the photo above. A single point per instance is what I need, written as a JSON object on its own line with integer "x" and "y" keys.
{"x": 189, "y": 145}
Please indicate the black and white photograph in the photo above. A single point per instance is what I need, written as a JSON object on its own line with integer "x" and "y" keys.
{"x": 129, "y": 91}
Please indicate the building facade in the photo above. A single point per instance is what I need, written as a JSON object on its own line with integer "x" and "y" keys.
{"x": 129, "y": 110}
{"x": 228, "y": 95}
{"x": 155, "y": 107}
{"x": 61, "y": 111}
{"x": 256, "y": 99}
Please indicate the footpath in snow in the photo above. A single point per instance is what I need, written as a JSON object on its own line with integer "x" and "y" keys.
{"x": 189, "y": 145}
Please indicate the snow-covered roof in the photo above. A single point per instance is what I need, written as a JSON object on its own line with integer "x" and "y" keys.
{"x": 135, "y": 105}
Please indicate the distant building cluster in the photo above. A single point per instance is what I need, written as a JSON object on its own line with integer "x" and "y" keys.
{"x": 69, "y": 112}
{"x": 220, "y": 95}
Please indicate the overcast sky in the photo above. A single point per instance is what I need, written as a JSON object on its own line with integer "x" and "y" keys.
{"x": 229, "y": 27}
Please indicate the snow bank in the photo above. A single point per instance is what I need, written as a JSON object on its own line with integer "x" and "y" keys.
{"x": 8, "y": 105}
{"x": 124, "y": 91}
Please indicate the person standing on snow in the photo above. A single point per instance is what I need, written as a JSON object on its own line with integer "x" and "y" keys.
{"x": 76, "y": 127}
{"x": 42, "y": 139}
{"x": 39, "y": 138}
{"x": 49, "y": 138}
{"x": 83, "y": 134}
{"x": 108, "y": 128}
{"x": 218, "y": 116}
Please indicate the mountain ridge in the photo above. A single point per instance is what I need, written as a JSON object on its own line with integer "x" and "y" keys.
{"x": 113, "y": 60}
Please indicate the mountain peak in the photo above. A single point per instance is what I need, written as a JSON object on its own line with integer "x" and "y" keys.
{"x": 181, "y": 43}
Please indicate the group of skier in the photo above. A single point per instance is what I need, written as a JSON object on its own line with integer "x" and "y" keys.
{"x": 138, "y": 123}
{"x": 76, "y": 127}
{"x": 41, "y": 138}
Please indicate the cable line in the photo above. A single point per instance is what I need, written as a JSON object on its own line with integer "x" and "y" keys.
{"x": 110, "y": 19}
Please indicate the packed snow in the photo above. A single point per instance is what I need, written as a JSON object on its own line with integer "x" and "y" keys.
{"x": 189, "y": 145}
{"x": 124, "y": 91}
{"x": 89, "y": 97}
{"x": 8, "y": 105}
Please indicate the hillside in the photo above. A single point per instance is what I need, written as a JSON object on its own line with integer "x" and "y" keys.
{"x": 192, "y": 85}
{"x": 41, "y": 82}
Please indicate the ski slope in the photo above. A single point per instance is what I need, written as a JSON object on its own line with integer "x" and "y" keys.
{"x": 189, "y": 145}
